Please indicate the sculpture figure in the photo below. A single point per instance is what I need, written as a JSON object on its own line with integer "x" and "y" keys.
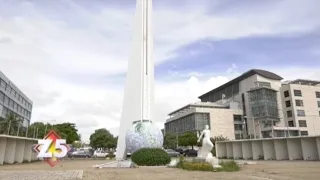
{"x": 205, "y": 150}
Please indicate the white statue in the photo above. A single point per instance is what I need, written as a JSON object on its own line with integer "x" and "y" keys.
{"x": 205, "y": 151}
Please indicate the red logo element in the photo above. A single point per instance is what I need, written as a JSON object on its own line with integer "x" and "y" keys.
{"x": 51, "y": 147}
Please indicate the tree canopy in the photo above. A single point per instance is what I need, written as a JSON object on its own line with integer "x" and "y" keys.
{"x": 102, "y": 138}
{"x": 66, "y": 131}
{"x": 11, "y": 124}
{"x": 188, "y": 139}
{"x": 170, "y": 141}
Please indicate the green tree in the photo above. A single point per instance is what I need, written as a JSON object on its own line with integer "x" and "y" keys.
{"x": 37, "y": 130}
{"x": 170, "y": 141}
{"x": 67, "y": 131}
{"x": 188, "y": 139}
{"x": 11, "y": 124}
{"x": 77, "y": 144}
{"x": 102, "y": 138}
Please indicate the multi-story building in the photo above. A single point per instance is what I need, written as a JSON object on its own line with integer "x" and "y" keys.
{"x": 259, "y": 112}
{"x": 223, "y": 119}
{"x": 301, "y": 104}
{"x": 13, "y": 100}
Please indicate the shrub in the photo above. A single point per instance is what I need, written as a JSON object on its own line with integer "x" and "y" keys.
{"x": 197, "y": 166}
{"x": 213, "y": 151}
{"x": 150, "y": 157}
{"x": 230, "y": 166}
{"x": 181, "y": 160}
{"x": 110, "y": 155}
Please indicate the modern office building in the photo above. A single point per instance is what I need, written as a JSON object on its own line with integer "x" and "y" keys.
{"x": 223, "y": 119}
{"x": 251, "y": 105}
{"x": 14, "y": 100}
{"x": 301, "y": 104}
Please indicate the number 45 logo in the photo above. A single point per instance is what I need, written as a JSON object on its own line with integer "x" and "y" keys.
{"x": 52, "y": 147}
{"x": 49, "y": 148}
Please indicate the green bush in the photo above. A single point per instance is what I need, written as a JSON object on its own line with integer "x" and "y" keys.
{"x": 213, "y": 151}
{"x": 197, "y": 166}
{"x": 150, "y": 157}
{"x": 230, "y": 166}
{"x": 227, "y": 166}
{"x": 110, "y": 155}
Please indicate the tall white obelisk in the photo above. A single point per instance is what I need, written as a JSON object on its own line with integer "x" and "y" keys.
{"x": 138, "y": 99}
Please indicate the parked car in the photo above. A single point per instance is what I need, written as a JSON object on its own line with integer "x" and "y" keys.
{"x": 82, "y": 153}
{"x": 70, "y": 152}
{"x": 100, "y": 153}
{"x": 128, "y": 154}
{"x": 190, "y": 153}
{"x": 179, "y": 150}
{"x": 172, "y": 153}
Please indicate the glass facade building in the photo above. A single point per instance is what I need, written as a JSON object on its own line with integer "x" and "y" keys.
{"x": 263, "y": 103}
{"x": 12, "y": 100}
{"x": 194, "y": 122}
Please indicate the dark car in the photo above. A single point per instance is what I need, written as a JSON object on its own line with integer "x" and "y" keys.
{"x": 85, "y": 154}
{"x": 181, "y": 151}
{"x": 190, "y": 153}
{"x": 172, "y": 153}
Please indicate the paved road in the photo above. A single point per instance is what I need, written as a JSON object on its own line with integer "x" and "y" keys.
{"x": 40, "y": 175}
{"x": 73, "y": 169}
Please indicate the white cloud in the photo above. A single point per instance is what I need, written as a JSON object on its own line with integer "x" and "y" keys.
{"x": 40, "y": 54}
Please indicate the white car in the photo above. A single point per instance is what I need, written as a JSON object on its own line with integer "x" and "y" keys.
{"x": 100, "y": 153}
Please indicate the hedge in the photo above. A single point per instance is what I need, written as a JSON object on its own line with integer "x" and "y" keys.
{"x": 150, "y": 157}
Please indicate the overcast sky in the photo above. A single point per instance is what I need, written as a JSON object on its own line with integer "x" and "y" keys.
{"x": 70, "y": 57}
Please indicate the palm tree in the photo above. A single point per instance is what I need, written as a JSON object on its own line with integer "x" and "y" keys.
{"x": 10, "y": 123}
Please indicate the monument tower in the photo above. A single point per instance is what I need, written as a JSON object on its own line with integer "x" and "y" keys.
{"x": 138, "y": 101}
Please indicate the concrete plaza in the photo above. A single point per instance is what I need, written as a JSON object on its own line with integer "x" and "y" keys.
{"x": 73, "y": 169}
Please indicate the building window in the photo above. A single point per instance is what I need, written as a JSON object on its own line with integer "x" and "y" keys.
{"x": 288, "y": 103}
{"x": 304, "y": 133}
{"x": 289, "y": 113}
{"x": 297, "y": 93}
{"x": 3, "y": 83}
{"x": 11, "y": 103}
{"x": 301, "y": 113}
{"x": 302, "y": 123}
{"x": 238, "y": 127}
{"x": 237, "y": 136}
{"x": 237, "y": 118}
{"x": 299, "y": 102}
{"x": 319, "y": 104}
{"x": 317, "y": 94}
{"x": 6, "y": 100}
{"x": 286, "y": 94}
{"x": 290, "y": 124}
{"x": 2, "y": 97}
{"x": 262, "y": 84}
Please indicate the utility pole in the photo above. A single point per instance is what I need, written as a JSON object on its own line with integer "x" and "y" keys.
{"x": 18, "y": 129}
{"x": 37, "y": 133}
{"x": 254, "y": 127}
{"x": 27, "y": 130}
{"x": 34, "y": 133}
{"x": 272, "y": 128}
{"x": 9, "y": 127}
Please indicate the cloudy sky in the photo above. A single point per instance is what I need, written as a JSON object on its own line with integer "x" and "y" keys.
{"x": 70, "y": 57}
